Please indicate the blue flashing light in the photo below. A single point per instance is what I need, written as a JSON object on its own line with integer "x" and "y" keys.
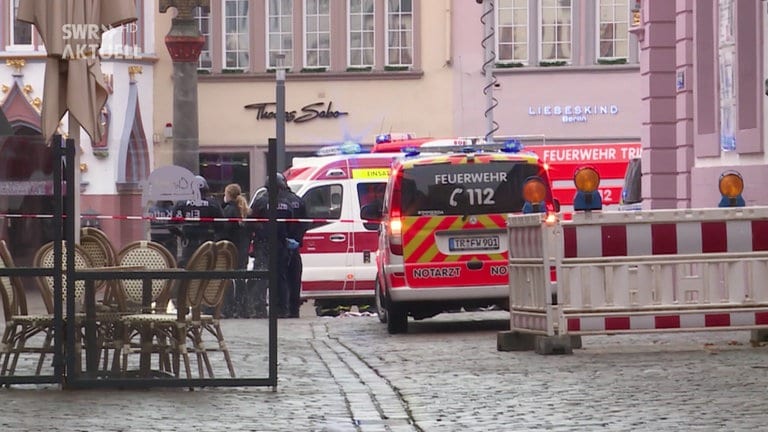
{"x": 411, "y": 151}
{"x": 512, "y": 146}
{"x": 383, "y": 138}
{"x": 529, "y": 207}
{"x": 737, "y": 201}
{"x": 587, "y": 201}
{"x": 347, "y": 148}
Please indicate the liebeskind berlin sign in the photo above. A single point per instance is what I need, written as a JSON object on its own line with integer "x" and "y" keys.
{"x": 309, "y": 112}
{"x": 579, "y": 113}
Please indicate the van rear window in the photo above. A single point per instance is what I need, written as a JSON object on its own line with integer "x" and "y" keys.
{"x": 465, "y": 189}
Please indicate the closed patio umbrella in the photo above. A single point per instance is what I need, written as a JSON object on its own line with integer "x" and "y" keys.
{"x": 71, "y": 31}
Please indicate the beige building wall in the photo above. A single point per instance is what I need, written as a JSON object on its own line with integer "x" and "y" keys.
{"x": 418, "y": 101}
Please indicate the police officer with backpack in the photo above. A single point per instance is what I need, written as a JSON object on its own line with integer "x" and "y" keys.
{"x": 195, "y": 233}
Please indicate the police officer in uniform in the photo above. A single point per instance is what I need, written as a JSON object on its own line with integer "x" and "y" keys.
{"x": 195, "y": 233}
{"x": 296, "y": 230}
{"x": 259, "y": 210}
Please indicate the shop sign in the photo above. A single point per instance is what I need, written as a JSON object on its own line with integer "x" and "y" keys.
{"x": 572, "y": 113}
{"x": 313, "y": 111}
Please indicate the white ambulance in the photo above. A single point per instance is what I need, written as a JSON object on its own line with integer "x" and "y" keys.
{"x": 338, "y": 253}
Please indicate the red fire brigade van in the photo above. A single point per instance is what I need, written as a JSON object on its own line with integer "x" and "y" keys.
{"x": 442, "y": 237}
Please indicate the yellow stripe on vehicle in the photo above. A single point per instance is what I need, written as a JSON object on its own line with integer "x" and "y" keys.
{"x": 370, "y": 173}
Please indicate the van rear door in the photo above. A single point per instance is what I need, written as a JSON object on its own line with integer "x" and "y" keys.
{"x": 454, "y": 221}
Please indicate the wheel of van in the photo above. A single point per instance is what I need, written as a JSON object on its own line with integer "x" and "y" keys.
{"x": 381, "y": 311}
{"x": 397, "y": 319}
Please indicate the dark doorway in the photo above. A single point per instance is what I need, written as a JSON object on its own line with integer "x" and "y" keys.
{"x": 26, "y": 173}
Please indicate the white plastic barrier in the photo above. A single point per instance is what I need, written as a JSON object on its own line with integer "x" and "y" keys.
{"x": 647, "y": 271}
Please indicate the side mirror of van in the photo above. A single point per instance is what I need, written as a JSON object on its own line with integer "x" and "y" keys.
{"x": 556, "y": 205}
{"x": 371, "y": 216}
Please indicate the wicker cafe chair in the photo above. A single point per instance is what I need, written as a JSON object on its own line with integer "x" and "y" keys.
{"x": 20, "y": 327}
{"x": 213, "y": 297}
{"x": 102, "y": 254}
{"x": 161, "y": 327}
{"x": 105, "y": 330}
{"x": 129, "y": 295}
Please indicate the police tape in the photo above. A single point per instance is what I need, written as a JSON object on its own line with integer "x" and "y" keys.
{"x": 174, "y": 219}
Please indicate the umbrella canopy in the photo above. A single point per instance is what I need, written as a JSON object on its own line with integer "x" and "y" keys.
{"x": 71, "y": 31}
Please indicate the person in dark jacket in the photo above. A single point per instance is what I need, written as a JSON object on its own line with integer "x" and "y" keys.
{"x": 194, "y": 233}
{"x": 236, "y": 207}
{"x": 260, "y": 209}
{"x": 296, "y": 230}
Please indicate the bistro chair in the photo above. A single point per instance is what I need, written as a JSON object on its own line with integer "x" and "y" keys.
{"x": 148, "y": 256}
{"x": 20, "y": 326}
{"x": 106, "y": 319}
{"x": 151, "y": 327}
{"x": 102, "y": 253}
{"x": 212, "y": 296}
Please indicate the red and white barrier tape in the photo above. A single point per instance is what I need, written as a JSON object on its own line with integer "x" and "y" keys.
{"x": 172, "y": 219}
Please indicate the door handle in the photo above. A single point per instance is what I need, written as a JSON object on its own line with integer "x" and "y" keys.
{"x": 338, "y": 238}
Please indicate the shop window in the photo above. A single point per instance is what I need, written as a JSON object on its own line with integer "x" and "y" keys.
{"x": 221, "y": 169}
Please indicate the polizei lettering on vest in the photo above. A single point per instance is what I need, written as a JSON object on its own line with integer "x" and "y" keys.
{"x": 442, "y": 272}
{"x": 464, "y": 178}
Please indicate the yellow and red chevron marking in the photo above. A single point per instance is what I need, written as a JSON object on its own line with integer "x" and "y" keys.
{"x": 419, "y": 241}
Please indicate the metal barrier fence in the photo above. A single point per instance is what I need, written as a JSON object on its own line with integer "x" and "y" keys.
{"x": 631, "y": 272}
{"x": 67, "y": 367}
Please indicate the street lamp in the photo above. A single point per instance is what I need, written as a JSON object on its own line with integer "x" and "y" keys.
{"x": 280, "y": 108}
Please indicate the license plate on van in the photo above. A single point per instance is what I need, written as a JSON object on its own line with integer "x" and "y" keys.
{"x": 456, "y": 244}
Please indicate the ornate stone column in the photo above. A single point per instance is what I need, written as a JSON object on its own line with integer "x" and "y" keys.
{"x": 184, "y": 43}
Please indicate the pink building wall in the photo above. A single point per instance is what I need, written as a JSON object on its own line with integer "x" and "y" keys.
{"x": 532, "y": 87}
{"x": 681, "y": 136}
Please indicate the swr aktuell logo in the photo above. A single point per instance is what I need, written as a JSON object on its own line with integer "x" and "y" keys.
{"x": 79, "y": 34}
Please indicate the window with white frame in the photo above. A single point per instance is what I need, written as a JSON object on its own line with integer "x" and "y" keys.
{"x": 555, "y": 23}
{"x": 236, "y": 38}
{"x": 512, "y": 25}
{"x": 361, "y": 33}
{"x": 317, "y": 33}
{"x": 613, "y": 27}
{"x": 21, "y": 33}
{"x": 399, "y": 42}
{"x": 203, "y": 18}
{"x": 279, "y": 32}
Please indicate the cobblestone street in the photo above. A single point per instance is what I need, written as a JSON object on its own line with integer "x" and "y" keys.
{"x": 348, "y": 374}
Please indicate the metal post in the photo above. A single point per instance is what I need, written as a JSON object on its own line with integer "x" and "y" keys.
{"x": 273, "y": 258}
{"x": 73, "y": 366}
{"x": 280, "y": 102}
{"x": 58, "y": 310}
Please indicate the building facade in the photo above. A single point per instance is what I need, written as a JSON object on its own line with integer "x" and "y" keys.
{"x": 567, "y": 71}
{"x": 356, "y": 68}
{"x": 703, "y": 93}
{"x": 111, "y": 170}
